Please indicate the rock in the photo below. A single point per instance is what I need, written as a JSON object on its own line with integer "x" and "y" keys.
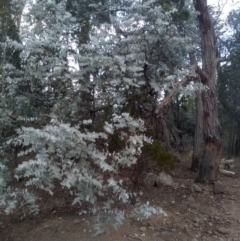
{"x": 218, "y": 188}
{"x": 187, "y": 231}
{"x": 196, "y": 220}
{"x": 143, "y": 229}
{"x": 196, "y": 225}
{"x": 223, "y": 230}
{"x": 46, "y": 226}
{"x": 151, "y": 228}
{"x": 164, "y": 234}
{"x": 76, "y": 221}
{"x": 164, "y": 179}
{"x": 150, "y": 180}
{"x": 210, "y": 232}
{"x": 196, "y": 188}
{"x": 190, "y": 199}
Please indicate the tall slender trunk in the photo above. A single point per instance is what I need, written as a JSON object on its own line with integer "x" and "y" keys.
{"x": 237, "y": 145}
{"x": 211, "y": 128}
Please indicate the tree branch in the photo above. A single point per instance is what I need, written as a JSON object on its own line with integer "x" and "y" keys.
{"x": 165, "y": 103}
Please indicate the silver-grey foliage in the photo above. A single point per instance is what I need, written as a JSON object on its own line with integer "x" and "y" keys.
{"x": 43, "y": 101}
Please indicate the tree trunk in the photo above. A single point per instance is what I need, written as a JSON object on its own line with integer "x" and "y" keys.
{"x": 211, "y": 128}
{"x": 231, "y": 142}
{"x": 237, "y": 148}
{"x": 198, "y": 136}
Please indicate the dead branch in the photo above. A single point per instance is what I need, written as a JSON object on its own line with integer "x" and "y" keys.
{"x": 166, "y": 102}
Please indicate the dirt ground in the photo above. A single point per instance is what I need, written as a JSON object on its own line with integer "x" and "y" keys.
{"x": 194, "y": 213}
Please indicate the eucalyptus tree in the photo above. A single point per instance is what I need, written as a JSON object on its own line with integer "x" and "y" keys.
{"x": 139, "y": 51}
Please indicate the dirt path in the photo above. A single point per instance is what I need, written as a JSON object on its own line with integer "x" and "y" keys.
{"x": 194, "y": 213}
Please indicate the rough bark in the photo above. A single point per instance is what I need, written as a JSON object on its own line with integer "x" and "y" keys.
{"x": 198, "y": 136}
{"x": 165, "y": 132}
{"x": 209, "y": 164}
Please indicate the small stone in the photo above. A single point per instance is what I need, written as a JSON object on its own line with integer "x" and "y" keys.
{"x": 151, "y": 228}
{"x": 150, "y": 180}
{"x": 143, "y": 229}
{"x": 218, "y": 188}
{"x": 196, "y": 220}
{"x": 46, "y": 226}
{"x": 223, "y": 230}
{"x": 195, "y": 225}
{"x": 76, "y": 221}
{"x": 187, "y": 231}
{"x": 196, "y": 188}
{"x": 191, "y": 199}
{"x": 164, "y": 234}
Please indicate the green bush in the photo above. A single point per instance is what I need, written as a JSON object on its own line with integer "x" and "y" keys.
{"x": 157, "y": 153}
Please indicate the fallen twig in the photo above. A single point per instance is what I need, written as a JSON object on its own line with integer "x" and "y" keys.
{"x": 134, "y": 237}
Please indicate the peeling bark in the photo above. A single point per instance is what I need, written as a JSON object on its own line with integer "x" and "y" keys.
{"x": 209, "y": 164}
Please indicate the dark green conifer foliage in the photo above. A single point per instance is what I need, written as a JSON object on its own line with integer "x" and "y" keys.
{"x": 8, "y": 29}
{"x": 158, "y": 154}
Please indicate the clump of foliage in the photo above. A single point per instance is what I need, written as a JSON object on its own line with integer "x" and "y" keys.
{"x": 57, "y": 109}
{"x": 157, "y": 153}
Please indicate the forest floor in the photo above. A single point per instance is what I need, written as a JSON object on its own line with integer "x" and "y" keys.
{"x": 194, "y": 213}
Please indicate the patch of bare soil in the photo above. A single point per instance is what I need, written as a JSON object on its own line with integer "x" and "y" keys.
{"x": 194, "y": 212}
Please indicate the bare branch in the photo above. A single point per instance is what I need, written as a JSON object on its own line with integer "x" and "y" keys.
{"x": 165, "y": 103}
